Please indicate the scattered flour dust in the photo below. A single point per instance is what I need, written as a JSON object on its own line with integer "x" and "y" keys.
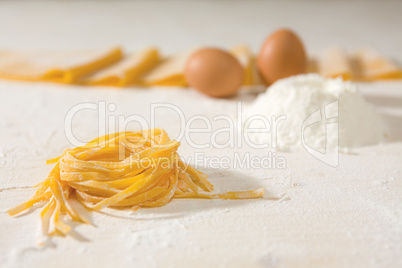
{"x": 169, "y": 234}
{"x": 314, "y": 111}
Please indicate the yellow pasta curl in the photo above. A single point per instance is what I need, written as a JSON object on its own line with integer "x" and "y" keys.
{"x": 126, "y": 169}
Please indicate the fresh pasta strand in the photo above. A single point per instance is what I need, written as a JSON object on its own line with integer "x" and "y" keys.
{"x": 123, "y": 170}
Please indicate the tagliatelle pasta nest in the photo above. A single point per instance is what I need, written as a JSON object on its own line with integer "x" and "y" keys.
{"x": 127, "y": 169}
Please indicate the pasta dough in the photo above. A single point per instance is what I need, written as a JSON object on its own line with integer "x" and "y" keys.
{"x": 248, "y": 61}
{"x": 126, "y": 71}
{"x": 127, "y": 169}
{"x": 371, "y": 65}
{"x": 335, "y": 62}
{"x": 169, "y": 72}
{"x": 55, "y": 66}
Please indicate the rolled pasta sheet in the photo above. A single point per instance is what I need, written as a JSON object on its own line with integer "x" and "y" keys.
{"x": 55, "y": 66}
{"x": 127, "y": 71}
{"x": 246, "y": 58}
{"x": 334, "y": 62}
{"x": 312, "y": 65}
{"x": 169, "y": 71}
{"x": 371, "y": 65}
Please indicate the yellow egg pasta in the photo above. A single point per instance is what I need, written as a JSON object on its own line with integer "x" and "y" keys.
{"x": 55, "y": 66}
{"x": 246, "y": 58}
{"x": 122, "y": 170}
{"x": 334, "y": 62}
{"x": 126, "y": 71}
{"x": 169, "y": 71}
{"x": 371, "y": 65}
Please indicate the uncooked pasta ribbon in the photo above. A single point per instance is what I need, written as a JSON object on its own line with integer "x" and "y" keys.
{"x": 128, "y": 170}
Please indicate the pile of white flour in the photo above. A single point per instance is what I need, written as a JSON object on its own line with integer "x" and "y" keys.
{"x": 315, "y": 112}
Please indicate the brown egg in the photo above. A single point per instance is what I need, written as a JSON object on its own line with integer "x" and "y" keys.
{"x": 281, "y": 55}
{"x": 214, "y": 72}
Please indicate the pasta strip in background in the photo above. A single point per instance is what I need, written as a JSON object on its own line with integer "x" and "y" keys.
{"x": 371, "y": 65}
{"x": 246, "y": 58}
{"x": 55, "y": 66}
{"x": 334, "y": 62}
{"x": 127, "y": 71}
{"x": 169, "y": 72}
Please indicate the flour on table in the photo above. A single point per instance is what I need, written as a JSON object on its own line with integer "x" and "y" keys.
{"x": 326, "y": 112}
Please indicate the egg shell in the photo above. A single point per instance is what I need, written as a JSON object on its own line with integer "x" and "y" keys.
{"x": 214, "y": 72}
{"x": 281, "y": 55}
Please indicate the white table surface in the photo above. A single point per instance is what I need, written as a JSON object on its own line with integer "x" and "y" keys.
{"x": 313, "y": 215}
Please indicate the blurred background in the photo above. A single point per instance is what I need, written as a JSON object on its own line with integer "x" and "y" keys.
{"x": 174, "y": 26}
